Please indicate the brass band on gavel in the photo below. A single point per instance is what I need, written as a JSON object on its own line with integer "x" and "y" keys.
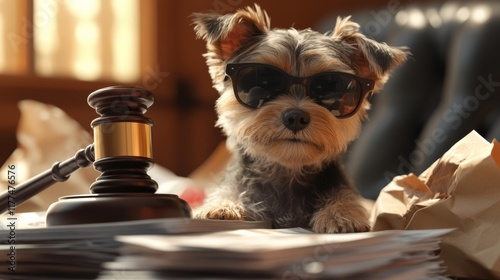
{"x": 122, "y": 139}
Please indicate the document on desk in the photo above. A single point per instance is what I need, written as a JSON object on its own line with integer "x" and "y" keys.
{"x": 287, "y": 254}
{"x": 150, "y": 226}
{"x": 213, "y": 249}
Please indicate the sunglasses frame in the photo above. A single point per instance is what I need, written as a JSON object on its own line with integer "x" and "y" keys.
{"x": 233, "y": 70}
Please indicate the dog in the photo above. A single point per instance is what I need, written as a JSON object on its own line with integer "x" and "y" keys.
{"x": 290, "y": 103}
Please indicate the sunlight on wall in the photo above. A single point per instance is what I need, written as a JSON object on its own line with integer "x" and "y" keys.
{"x": 413, "y": 17}
{"x": 2, "y": 46}
{"x": 86, "y": 64}
{"x": 125, "y": 39}
{"x": 11, "y": 40}
{"x": 46, "y": 43}
{"x": 87, "y": 39}
{"x": 481, "y": 14}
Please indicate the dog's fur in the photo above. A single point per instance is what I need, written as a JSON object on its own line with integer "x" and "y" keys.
{"x": 293, "y": 178}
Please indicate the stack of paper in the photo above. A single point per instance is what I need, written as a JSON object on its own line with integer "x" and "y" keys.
{"x": 286, "y": 254}
{"x": 209, "y": 249}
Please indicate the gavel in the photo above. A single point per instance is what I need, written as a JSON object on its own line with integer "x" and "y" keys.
{"x": 122, "y": 152}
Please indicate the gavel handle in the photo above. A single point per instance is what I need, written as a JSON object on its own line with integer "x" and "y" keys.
{"x": 59, "y": 172}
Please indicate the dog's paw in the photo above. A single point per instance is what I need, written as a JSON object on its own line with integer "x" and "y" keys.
{"x": 341, "y": 218}
{"x": 220, "y": 211}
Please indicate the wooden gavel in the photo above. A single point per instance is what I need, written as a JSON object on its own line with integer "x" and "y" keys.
{"x": 122, "y": 152}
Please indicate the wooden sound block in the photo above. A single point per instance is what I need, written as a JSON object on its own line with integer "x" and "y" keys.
{"x": 115, "y": 207}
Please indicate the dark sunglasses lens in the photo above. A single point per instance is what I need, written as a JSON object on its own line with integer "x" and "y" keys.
{"x": 339, "y": 94}
{"x": 256, "y": 85}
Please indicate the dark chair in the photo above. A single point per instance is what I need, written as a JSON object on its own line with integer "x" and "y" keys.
{"x": 450, "y": 86}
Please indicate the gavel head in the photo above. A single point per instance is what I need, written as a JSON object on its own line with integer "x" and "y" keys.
{"x": 122, "y": 140}
{"x": 123, "y": 154}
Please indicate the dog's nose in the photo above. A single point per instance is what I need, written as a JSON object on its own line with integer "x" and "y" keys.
{"x": 295, "y": 119}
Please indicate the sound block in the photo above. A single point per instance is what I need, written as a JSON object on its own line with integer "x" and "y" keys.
{"x": 115, "y": 207}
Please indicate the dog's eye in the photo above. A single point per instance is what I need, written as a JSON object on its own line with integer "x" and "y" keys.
{"x": 340, "y": 94}
{"x": 257, "y": 85}
{"x": 328, "y": 86}
{"x": 268, "y": 79}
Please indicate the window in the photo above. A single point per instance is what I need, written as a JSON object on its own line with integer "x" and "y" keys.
{"x": 10, "y": 48}
{"x": 86, "y": 40}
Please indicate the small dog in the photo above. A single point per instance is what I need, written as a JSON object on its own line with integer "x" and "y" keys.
{"x": 290, "y": 103}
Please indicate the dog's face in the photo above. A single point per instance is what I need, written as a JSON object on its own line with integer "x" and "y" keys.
{"x": 293, "y": 97}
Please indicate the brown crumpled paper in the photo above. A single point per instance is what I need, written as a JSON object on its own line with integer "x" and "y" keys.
{"x": 45, "y": 135}
{"x": 460, "y": 190}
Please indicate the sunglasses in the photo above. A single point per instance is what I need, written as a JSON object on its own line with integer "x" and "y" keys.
{"x": 255, "y": 84}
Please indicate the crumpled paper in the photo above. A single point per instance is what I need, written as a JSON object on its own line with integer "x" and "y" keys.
{"x": 460, "y": 190}
{"x": 45, "y": 135}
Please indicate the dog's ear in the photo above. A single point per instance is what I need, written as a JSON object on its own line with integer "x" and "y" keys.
{"x": 369, "y": 58}
{"x": 225, "y": 34}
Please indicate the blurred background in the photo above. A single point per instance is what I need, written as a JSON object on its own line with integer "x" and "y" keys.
{"x": 59, "y": 51}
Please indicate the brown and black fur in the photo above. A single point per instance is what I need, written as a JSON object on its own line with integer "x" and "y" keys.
{"x": 290, "y": 176}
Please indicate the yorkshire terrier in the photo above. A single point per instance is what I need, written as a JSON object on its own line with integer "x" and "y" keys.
{"x": 290, "y": 103}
